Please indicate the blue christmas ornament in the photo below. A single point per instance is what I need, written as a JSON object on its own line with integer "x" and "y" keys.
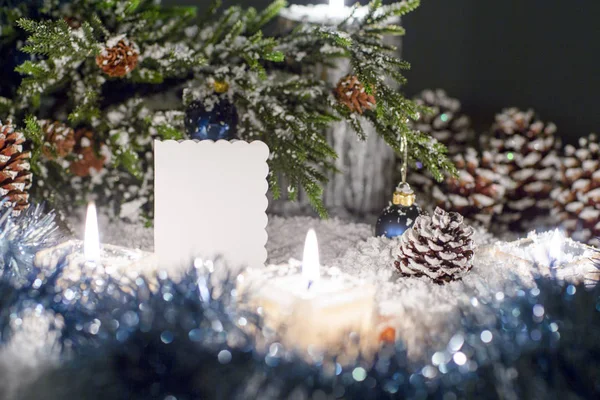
{"x": 218, "y": 123}
{"x": 400, "y": 215}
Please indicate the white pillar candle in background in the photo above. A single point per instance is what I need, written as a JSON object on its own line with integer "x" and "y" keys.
{"x": 366, "y": 168}
{"x": 337, "y": 6}
{"x": 210, "y": 201}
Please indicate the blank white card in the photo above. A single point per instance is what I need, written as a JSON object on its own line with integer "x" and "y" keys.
{"x": 210, "y": 201}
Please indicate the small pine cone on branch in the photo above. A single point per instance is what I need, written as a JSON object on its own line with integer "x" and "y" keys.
{"x": 477, "y": 193}
{"x": 352, "y": 93}
{"x": 59, "y": 139}
{"x": 118, "y": 59}
{"x": 15, "y": 177}
{"x": 86, "y": 156}
{"x": 577, "y": 199}
{"x": 439, "y": 247}
{"x": 524, "y": 150}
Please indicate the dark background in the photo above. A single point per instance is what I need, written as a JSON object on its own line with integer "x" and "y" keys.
{"x": 490, "y": 54}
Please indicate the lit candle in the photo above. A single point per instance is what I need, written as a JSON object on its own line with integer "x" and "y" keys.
{"x": 309, "y": 306}
{"x": 76, "y": 255}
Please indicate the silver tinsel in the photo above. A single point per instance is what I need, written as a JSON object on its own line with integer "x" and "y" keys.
{"x": 21, "y": 237}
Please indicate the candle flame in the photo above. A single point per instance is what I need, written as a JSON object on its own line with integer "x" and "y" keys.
{"x": 337, "y": 5}
{"x": 310, "y": 258}
{"x": 91, "y": 241}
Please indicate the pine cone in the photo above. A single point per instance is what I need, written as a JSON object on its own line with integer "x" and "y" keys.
{"x": 59, "y": 139}
{"x": 73, "y": 22}
{"x": 86, "y": 156}
{"x": 446, "y": 123}
{"x": 477, "y": 193}
{"x": 577, "y": 199}
{"x": 352, "y": 94}
{"x": 15, "y": 178}
{"x": 439, "y": 247}
{"x": 523, "y": 150}
{"x": 118, "y": 59}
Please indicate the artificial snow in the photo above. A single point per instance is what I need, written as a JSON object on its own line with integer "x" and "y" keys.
{"x": 421, "y": 311}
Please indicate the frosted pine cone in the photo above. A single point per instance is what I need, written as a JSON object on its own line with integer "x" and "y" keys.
{"x": 86, "y": 155}
{"x": 59, "y": 139}
{"x": 118, "y": 59}
{"x": 523, "y": 149}
{"x": 577, "y": 199}
{"x": 15, "y": 178}
{"x": 439, "y": 247}
{"x": 477, "y": 193}
{"x": 351, "y": 93}
{"x": 446, "y": 123}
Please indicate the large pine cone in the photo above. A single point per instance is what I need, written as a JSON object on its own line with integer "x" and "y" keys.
{"x": 477, "y": 193}
{"x": 524, "y": 150}
{"x": 439, "y": 247}
{"x": 352, "y": 93}
{"x": 577, "y": 199}
{"x": 118, "y": 59}
{"x": 446, "y": 123}
{"x": 15, "y": 178}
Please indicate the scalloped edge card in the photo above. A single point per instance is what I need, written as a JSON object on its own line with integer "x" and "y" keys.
{"x": 210, "y": 202}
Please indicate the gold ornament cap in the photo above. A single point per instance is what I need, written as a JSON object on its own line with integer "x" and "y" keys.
{"x": 404, "y": 195}
{"x": 221, "y": 86}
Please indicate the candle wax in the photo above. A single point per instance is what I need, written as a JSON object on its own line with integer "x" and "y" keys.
{"x": 321, "y": 317}
{"x": 112, "y": 260}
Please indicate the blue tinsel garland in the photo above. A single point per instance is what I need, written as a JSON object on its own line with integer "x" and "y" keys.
{"x": 187, "y": 340}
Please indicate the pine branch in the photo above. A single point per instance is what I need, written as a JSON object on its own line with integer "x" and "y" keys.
{"x": 271, "y": 81}
{"x": 34, "y": 135}
{"x": 57, "y": 39}
{"x": 266, "y": 16}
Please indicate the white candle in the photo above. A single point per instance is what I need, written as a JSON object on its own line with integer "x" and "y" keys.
{"x": 336, "y": 6}
{"x": 77, "y": 255}
{"x": 312, "y": 307}
{"x": 327, "y": 14}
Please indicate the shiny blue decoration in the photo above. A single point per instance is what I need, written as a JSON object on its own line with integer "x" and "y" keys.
{"x": 396, "y": 219}
{"x": 220, "y": 123}
{"x": 21, "y": 237}
{"x": 183, "y": 339}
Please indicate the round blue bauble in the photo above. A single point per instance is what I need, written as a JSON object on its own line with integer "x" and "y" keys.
{"x": 396, "y": 219}
{"x": 220, "y": 123}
